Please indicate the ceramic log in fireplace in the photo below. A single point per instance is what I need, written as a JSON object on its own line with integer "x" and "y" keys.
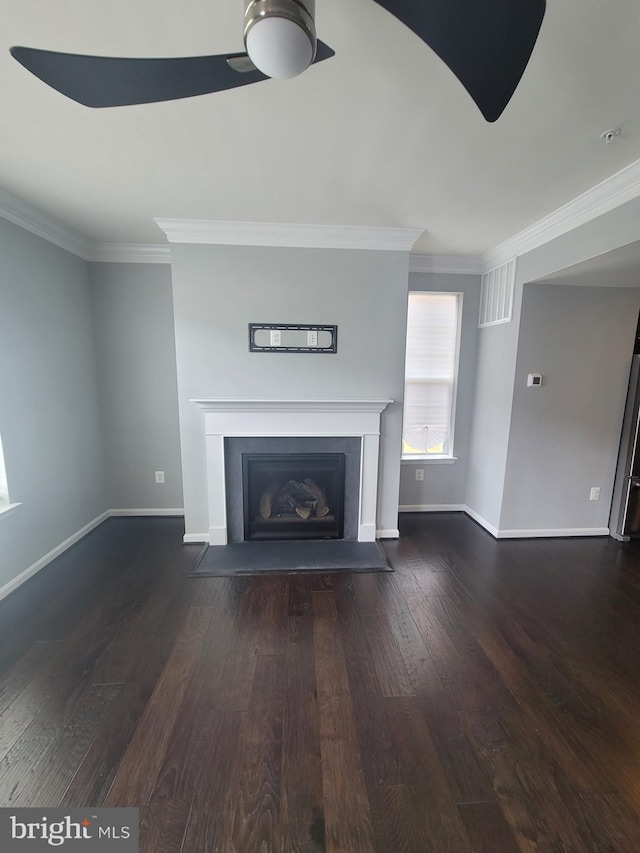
{"x": 293, "y": 496}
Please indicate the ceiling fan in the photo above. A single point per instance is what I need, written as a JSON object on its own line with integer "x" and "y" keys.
{"x": 486, "y": 43}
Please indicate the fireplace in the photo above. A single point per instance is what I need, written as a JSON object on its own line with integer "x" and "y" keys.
{"x": 293, "y": 496}
{"x": 234, "y": 427}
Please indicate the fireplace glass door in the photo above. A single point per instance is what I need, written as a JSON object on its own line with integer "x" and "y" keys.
{"x": 293, "y": 496}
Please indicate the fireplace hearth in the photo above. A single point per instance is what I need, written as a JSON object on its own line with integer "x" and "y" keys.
{"x": 293, "y": 496}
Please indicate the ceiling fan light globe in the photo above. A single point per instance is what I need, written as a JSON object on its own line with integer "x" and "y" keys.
{"x": 280, "y": 48}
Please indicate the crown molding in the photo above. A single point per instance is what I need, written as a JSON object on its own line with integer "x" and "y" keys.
{"x": 130, "y": 253}
{"x": 622, "y": 187}
{"x": 447, "y": 264}
{"x": 604, "y": 197}
{"x": 31, "y": 219}
{"x": 289, "y": 235}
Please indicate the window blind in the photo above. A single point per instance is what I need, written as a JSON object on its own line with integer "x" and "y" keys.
{"x": 432, "y": 340}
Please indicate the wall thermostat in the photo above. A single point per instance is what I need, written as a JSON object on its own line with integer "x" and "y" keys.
{"x": 533, "y": 380}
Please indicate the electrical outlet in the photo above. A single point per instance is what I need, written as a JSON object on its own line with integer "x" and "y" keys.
{"x": 159, "y": 476}
{"x": 275, "y": 337}
{"x": 312, "y": 338}
{"x": 419, "y": 473}
{"x": 594, "y": 494}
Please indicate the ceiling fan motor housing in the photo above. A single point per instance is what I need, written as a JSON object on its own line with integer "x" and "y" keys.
{"x": 281, "y": 14}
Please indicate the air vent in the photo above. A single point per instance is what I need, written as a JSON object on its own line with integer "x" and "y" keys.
{"x": 496, "y": 296}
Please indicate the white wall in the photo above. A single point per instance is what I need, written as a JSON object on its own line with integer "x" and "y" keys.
{"x": 564, "y": 435}
{"x": 445, "y": 484}
{"x": 135, "y": 347}
{"x": 219, "y": 290}
{"x": 49, "y": 415}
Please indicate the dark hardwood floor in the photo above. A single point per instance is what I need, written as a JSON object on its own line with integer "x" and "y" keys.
{"x": 484, "y": 697}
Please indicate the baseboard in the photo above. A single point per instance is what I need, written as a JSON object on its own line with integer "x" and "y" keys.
{"x": 552, "y": 533}
{"x": 619, "y": 536}
{"x": 118, "y": 513}
{"x": 388, "y": 534}
{"x": 48, "y": 558}
{"x": 195, "y": 538}
{"x": 481, "y": 521}
{"x": 536, "y": 533}
{"x": 432, "y": 508}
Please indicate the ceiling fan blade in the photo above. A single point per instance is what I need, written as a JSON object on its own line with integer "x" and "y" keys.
{"x": 103, "y": 81}
{"x": 486, "y": 43}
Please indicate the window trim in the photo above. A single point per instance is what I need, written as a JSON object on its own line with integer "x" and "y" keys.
{"x": 431, "y": 458}
{"x": 448, "y": 449}
{"x": 5, "y": 500}
{"x": 8, "y": 509}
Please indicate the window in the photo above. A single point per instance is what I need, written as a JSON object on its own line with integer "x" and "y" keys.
{"x": 433, "y": 334}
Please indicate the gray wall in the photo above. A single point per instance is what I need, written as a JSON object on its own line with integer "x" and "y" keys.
{"x": 445, "y": 484}
{"x": 491, "y": 419}
{"x": 498, "y": 351}
{"x": 565, "y": 435}
{"x": 49, "y": 417}
{"x": 614, "y": 229}
{"x": 135, "y": 346}
{"x": 218, "y": 290}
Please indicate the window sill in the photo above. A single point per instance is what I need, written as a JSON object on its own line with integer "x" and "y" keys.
{"x": 7, "y": 509}
{"x": 431, "y": 458}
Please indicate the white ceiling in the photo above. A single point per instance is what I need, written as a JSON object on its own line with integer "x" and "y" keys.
{"x": 382, "y": 134}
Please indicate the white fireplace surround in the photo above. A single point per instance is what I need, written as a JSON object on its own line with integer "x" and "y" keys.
{"x": 261, "y": 418}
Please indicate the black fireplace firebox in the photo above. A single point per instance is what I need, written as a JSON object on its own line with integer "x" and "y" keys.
{"x": 293, "y": 496}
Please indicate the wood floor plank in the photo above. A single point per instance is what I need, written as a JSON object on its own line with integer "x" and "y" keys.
{"x": 20, "y": 767}
{"x": 410, "y": 818}
{"x": 554, "y": 728}
{"x": 609, "y": 823}
{"x": 69, "y": 749}
{"x": 387, "y": 658}
{"x": 302, "y": 827}
{"x": 163, "y": 825}
{"x": 139, "y": 670}
{"x": 259, "y": 628}
{"x": 17, "y": 677}
{"x": 210, "y": 822}
{"x": 199, "y": 718}
{"x": 141, "y": 764}
{"x": 487, "y": 829}
{"x": 378, "y": 758}
{"x": 423, "y": 675}
{"x": 347, "y": 814}
{"x": 429, "y": 745}
{"x": 256, "y": 818}
{"x": 456, "y": 673}
{"x": 483, "y": 696}
{"x": 49, "y": 684}
{"x": 427, "y": 574}
{"x": 530, "y": 786}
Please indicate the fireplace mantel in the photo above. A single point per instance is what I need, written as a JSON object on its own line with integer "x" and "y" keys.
{"x": 234, "y": 404}
{"x": 287, "y": 417}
